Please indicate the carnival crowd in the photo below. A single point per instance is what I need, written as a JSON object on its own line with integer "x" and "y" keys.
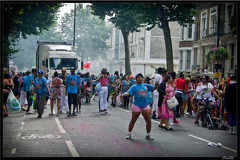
{"x": 141, "y": 94}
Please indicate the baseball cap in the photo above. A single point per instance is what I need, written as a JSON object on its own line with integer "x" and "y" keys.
{"x": 40, "y": 71}
{"x": 78, "y": 72}
{"x": 138, "y": 75}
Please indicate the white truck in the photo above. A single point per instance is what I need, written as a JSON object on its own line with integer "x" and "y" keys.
{"x": 53, "y": 56}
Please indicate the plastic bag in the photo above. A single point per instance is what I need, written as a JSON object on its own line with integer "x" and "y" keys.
{"x": 12, "y": 102}
{"x": 34, "y": 101}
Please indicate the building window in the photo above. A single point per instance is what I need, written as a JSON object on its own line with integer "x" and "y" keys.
{"x": 188, "y": 64}
{"x": 232, "y": 56}
{"x": 229, "y": 15}
{"x": 195, "y": 57}
{"x": 213, "y": 20}
{"x": 181, "y": 60}
{"x": 190, "y": 31}
{"x": 204, "y": 25}
{"x": 182, "y": 32}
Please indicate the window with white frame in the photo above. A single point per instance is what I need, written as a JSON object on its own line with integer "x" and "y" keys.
{"x": 213, "y": 20}
{"x": 189, "y": 31}
{"x": 229, "y": 15}
{"x": 181, "y": 60}
{"x": 188, "y": 64}
{"x": 232, "y": 56}
{"x": 203, "y": 24}
{"x": 195, "y": 58}
{"x": 182, "y": 32}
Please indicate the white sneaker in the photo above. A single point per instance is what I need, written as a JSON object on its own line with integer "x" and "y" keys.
{"x": 128, "y": 136}
{"x": 28, "y": 112}
{"x": 234, "y": 130}
{"x": 230, "y": 130}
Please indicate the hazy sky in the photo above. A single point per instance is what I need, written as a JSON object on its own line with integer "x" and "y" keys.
{"x": 67, "y": 8}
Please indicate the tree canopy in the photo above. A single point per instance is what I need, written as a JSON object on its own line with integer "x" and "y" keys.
{"x": 124, "y": 17}
{"x": 22, "y": 19}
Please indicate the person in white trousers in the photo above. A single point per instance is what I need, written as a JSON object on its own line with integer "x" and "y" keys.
{"x": 64, "y": 101}
{"x": 103, "y": 79}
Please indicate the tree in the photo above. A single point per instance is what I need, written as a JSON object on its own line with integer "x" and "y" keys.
{"x": 91, "y": 32}
{"x": 161, "y": 14}
{"x": 124, "y": 17}
{"x": 22, "y": 19}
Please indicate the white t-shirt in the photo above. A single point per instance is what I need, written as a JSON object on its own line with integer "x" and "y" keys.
{"x": 157, "y": 78}
{"x": 205, "y": 91}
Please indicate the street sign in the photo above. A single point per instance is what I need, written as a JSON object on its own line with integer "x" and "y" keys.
{"x": 217, "y": 74}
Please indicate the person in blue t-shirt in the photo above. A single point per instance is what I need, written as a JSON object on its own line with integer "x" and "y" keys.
{"x": 140, "y": 104}
{"x": 41, "y": 89}
{"x": 29, "y": 88}
{"x": 72, "y": 85}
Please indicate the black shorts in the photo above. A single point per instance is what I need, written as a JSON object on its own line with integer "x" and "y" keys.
{"x": 72, "y": 98}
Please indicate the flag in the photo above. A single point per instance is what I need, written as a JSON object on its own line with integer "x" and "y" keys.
{"x": 86, "y": 65}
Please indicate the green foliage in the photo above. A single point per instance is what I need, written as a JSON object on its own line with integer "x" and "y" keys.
{"x": 91, "y": 32}
{"x": 217, "y": 55}
{"x": 22, "y": 19}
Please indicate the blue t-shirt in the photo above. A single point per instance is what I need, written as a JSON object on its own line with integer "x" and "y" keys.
{"x": 126, "y": 86}
{"x": 132, "y": 81}
{"x": 24, "y": 84}
{"x": 40, "y": 83}
{"x": 30, "y": 86}
{"x": 140, "y": 92}
{"x": 75, "y": 80}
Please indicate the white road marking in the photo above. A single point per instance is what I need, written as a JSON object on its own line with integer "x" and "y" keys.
{"x": 22, "y": 123}
{"x": 233, "y": 150}
{"x": 19, "y": 134}
{"x": 72, "y": 149}
{"x": 60, "y": 127}
{"x": 14, "y": 150}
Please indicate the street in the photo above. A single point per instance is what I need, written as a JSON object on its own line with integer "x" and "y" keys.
{"x": 90, "y": 134}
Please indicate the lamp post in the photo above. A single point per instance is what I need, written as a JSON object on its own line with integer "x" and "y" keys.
{"x": 74, "y": 24}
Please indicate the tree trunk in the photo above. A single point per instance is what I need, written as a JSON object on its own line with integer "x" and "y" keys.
{"x": 127, "y": 54}
{"x": 167, "y": 38}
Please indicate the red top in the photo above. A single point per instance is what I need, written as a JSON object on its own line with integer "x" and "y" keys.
{"x": 180, "y": 83}
{"x": 104, "y": 81}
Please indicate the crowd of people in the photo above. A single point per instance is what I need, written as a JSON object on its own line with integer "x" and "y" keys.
{"x": 140, "y": 93}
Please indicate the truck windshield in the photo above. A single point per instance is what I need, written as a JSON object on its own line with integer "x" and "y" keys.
{"x": 59, "y": 63}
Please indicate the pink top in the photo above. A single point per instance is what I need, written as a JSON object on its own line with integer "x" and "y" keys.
{"x": 104, "y": 81}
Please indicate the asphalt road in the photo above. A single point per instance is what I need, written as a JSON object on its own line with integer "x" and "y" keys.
{"x": 90, "y": 134}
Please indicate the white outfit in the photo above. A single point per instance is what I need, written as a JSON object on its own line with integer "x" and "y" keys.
{"x": 103, "y": 97}
{"x": 155, "y": 100}
{"x": 64, "y": 100}
{"x": 205, "y": 91}
{"x": 23, "y": 98}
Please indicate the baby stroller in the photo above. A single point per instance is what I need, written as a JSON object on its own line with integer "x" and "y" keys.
{"x": 217, "y": 117}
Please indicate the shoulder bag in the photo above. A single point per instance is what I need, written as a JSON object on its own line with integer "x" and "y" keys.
{"x": 172, "y": 102}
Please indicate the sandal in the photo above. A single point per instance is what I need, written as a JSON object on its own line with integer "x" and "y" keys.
{"x": 51, "y": 114}
{"x": 161, "y": 126}
{"x": 170, "y": 128}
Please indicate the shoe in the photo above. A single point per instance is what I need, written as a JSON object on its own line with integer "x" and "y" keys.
{"x": 170, "y": 128}
{"x": 176, "y": 122}
{"x": 68, "y": 115}
{"x": 67, "y": 112}
{"x": 74, "y": 114}
{"x": 234, "y": 132}
{"x": 129, "y": 136}
{"x": 102, "y": 113}
{"x": 23, "y": 109}
{"x": 106, "y": 112}
{"x": 193, "y": 115}
{"x": 51, "y": 114}
{"x": 154, "y": 117}
{"x": 28, "y": 112}
{"x": 60, "y": 112}
{"x": 160, "y": 126}
{"x": 196, "y": 123}
{"x": 39, "y": 116}
{"x": 149, "y": 138}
